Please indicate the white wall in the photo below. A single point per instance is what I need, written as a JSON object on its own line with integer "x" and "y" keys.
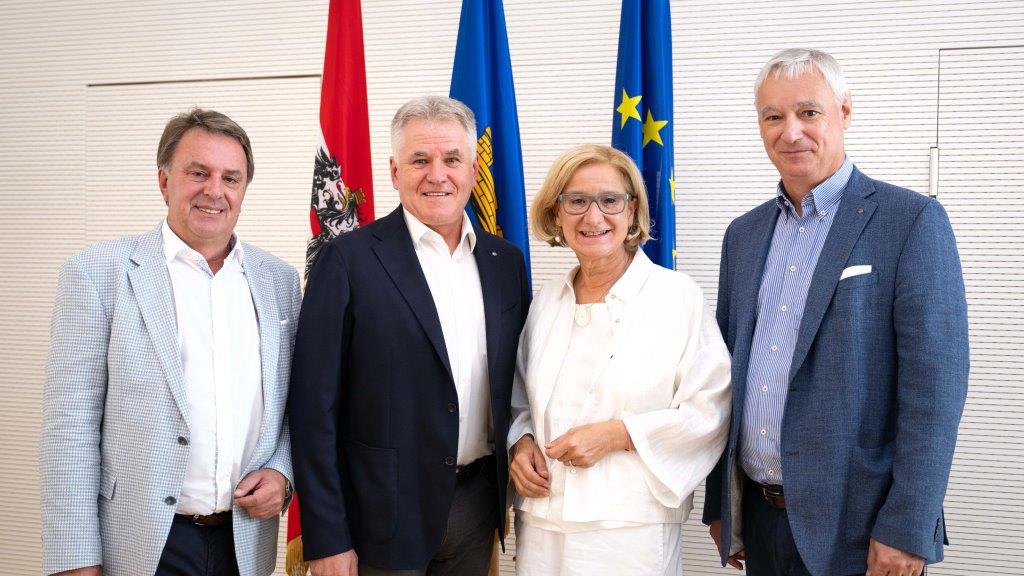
{"x": 86, "y": 86}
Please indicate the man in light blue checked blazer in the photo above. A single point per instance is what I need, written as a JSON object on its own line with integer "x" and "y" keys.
{"x": 164, "y": 447}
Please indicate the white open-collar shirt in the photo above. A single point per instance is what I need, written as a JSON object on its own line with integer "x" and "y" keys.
{"x": 454, "y": 282}
{"x": 219, "y": 342}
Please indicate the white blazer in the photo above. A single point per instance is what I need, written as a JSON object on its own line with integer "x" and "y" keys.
{"x": 667, "y": 380}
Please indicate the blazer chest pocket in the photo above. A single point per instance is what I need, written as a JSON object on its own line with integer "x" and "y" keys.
{"x": 856, "y": 293}
{"x": 107, "y": 485}
{"x": 373, "y": 474}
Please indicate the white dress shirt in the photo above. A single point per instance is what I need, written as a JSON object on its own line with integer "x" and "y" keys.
{"x": 454, "y": 282}
{"x": 664, "y": 372}
{"x": 219, "y": 341}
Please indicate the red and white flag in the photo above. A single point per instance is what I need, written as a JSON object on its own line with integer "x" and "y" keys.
{"x": 342, "y": 196}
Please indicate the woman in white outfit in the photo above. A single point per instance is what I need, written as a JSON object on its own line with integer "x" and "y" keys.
{"x": 621, "y": 400}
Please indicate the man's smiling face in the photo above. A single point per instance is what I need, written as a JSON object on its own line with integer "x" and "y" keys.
{"x": 203, "y": 187}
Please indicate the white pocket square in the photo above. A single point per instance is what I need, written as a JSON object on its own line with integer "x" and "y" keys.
{"x": 856, "y": 270}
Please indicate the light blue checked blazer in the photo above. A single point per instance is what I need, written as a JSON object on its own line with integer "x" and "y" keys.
{"x": 114, "y": 407}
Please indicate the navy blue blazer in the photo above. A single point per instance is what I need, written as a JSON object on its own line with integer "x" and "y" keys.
{"x": 373, "y": 407}
{"x": 878, "y": 381}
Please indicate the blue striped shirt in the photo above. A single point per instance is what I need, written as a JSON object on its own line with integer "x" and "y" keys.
{"x": 792, "y": 257}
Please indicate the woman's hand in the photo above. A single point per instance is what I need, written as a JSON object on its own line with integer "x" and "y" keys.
{"x": 528, "y": 469}
{"x": 583, "y": 446}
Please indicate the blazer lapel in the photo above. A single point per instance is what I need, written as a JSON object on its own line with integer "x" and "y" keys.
{"x": 398, "y": 257}
{"x": 852, "y": 215}
{"x": 151, "y": 284}
{"x": 487, "y": 263}
{"x": 747, "y": 282}
{"x": 262, "y": 290}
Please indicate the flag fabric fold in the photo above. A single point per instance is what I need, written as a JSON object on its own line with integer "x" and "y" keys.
{"x": 342, "y": 193}
{"x": 642, "y": 121}
{"x": 482, "y": 79}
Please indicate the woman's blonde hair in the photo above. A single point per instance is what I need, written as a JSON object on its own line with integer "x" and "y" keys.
{"x": 545, "y": 204}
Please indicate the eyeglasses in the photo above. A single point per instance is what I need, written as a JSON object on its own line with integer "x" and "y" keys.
{"x": 608, "y": 203}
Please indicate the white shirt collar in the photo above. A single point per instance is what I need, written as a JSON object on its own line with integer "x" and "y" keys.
{"x": 418, "y": 230}
{"x": 174, "y": 247}
{"x": 628, "y": 285}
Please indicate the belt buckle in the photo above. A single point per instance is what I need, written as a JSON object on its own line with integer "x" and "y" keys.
{"x": 197, "y": 519}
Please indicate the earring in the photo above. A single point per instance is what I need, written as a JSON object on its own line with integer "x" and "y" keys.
{"x": 558, "y": 237}
{"x": 633, "y": 233}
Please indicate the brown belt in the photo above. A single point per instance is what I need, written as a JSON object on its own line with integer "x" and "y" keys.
{"x": 211, "y": 520}
{"x": 772, "y": 494}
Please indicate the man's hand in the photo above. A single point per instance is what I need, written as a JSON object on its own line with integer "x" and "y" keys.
{"x": 528, "y": 469}
{"x": 261, "y": 493}
{"x": 736, "y": 560}
{"x": 584, "y": 446}
{"x": 90, "y": 571}
{"x": 888, "y": 561}
{"x": 344, "y": 564}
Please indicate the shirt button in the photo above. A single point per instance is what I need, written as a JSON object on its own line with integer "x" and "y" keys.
{"x": 170, "y": 500}
{"x": 572, "y": 470}
{"x": 801, "y": 229}
{"x": 182, "y": 440}
{"x": 449, "y": 460}
{"x": 451, "y": 407}
{"x": 775, "y": 348}
{"x": 771, "y": 472}
{"x": 764, "y": 388}
{"x": 783, "y": 308}
{"x": 763, "y": 431}
{"x": 792, "y": 268}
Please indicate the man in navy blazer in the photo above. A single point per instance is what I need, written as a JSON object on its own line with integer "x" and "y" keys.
{"x": 403, "y": 370}
{"x": 842, "y": 302}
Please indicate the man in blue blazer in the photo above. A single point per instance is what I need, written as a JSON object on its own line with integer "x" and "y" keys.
{"x": 842, "y": 302}
{"x": 403, "y": 370}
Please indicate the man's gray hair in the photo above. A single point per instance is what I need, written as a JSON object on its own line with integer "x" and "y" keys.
{"x": 794, "y": 62}
{"x": 434, "y": 109}
{"x": 210, "y": 121}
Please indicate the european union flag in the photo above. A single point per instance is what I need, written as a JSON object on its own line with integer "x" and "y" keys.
{"x": 482, "y": 79}
{"x": 642, "y": 120}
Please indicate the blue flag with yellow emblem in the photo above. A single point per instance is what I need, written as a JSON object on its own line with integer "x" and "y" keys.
{"x": 482, "y": 79}
{"x": 642, "y": 123}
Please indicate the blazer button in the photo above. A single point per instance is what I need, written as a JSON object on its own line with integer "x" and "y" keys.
{"x": 170, "y": 500}
{"x": 182, "y": 440}
{"x": 449, "y": 461}
{"x": 451, "y": 407}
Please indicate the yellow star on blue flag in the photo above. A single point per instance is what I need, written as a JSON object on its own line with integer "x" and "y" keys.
{"x": 645, "y": 70}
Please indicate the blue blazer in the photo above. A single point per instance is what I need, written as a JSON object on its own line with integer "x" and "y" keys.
{"x": 878, "y": 381}
{"x": 374, "y": 433}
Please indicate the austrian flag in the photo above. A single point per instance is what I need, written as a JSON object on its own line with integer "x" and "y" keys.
{"x": 342, "y": 196}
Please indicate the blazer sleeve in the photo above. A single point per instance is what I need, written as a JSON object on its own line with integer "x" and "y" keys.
{"x": 714, "y": 483}
{"x": 318, "y": 375}
{"x": 70, "y": 475}
{"x": 679, "y": 445}
{"x": 522, "y": 420}
{"x": 930, "y": 321}
{"x": 282, "y": 457}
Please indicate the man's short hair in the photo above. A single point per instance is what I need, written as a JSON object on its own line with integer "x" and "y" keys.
{"x": 794, "y": 62}
{"x": 434, "y": 109}
{"x": 209, "y": 121}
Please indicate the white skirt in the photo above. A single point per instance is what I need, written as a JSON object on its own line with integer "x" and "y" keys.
{"x": 646, "y": 550}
